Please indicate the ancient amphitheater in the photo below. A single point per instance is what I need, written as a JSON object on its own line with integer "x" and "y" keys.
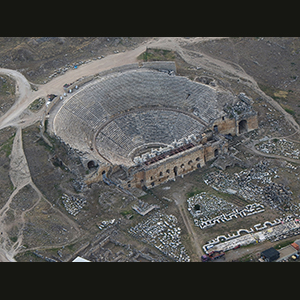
{"x": 141, "y": 124}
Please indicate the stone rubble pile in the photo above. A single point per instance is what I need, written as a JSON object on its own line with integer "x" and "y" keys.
{"x": 273, "y": 121}
{"x": 264, "y": 190}
{"x": 290, "y": 166}
{"x": 205, "y": 206}
{"x": 244, "y": 106}
{"x": 277, "y": 195}
{"x": 104, "y": 224}
{"x": 279, "y": 147}
{"x": 161, "y": 231}
{"x": 72, "y": 204}
{"x": 205, "y": 214}
{"x": 242, "y": 185}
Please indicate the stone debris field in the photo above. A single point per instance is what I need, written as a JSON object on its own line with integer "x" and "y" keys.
{"x": 109, "y": 246}
{"x": 104, "y": 224}
{"x": 205, "y": 206}
{"x": 211, "y": 210}
{"x": 161, "y": 231}
{"x": 279, "y": 147}
{"x": 253, "y": 185}
{"x": 72, "y": 204}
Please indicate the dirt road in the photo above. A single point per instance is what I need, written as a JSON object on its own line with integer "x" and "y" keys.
{"x": 55, "y": 86}
{"x": 20, "y": 177}
{"x": 195, "y": 242}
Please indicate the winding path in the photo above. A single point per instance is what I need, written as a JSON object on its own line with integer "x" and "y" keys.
{"x": 19, "y": 171}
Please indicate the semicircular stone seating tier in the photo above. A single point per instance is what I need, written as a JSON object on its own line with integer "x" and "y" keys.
{"x": 123, "y": 135}
{"x": 109, "y": 104}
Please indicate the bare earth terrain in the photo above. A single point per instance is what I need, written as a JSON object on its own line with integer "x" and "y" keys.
{"x": 36, "y": 221}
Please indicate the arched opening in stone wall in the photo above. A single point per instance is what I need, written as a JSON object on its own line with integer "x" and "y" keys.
{"x": 216, "y": 152}
{"x": 243, "y": 126}
{"x": 216, "y": 130}
{"x": 175, "y": 170}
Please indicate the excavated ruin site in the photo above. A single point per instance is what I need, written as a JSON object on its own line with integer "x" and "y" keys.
{"x": 142, "y": 124}
{"x": 167, "y": 149}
